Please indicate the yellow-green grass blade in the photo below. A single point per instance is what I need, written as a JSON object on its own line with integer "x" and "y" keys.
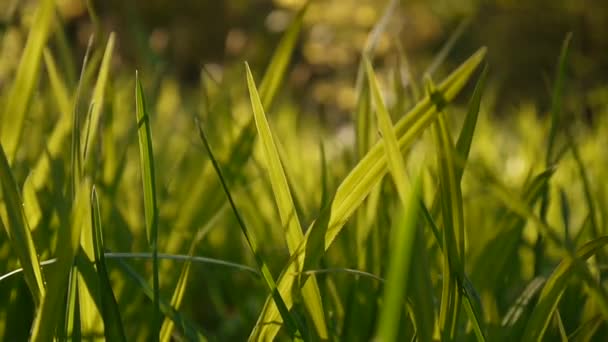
{"x": 275, "y": 72}
{"x": 354, "y": 188}
{"x": 38, "y": 177}
{"x": 18, "y": 231}
{"x": 76, "y": 157}
{"x": 284, "y": 202}
{"x": 191, "y": 332}
{"x": 180, "y": 289}
{"x": 554, "y": 289}
{"x": 97, "y": 100}
{"x": 293, "y": 326}
{"x": 398, "y": 276}
{"x": 67, "y": 245}
{"x": 146, "y": 159}
{"x": 70, "y": 328}
{"x": 13, "y": 116}
{"x": 113, "y": 328}
{"x": 453, "y": 230}
{"x": 91, "y": 321}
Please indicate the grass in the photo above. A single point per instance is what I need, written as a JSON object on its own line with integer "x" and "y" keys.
{"x": 253, "y": 220}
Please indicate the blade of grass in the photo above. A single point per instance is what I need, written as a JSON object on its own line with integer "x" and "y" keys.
{"x": 275, "y": 72}
{"x": 452, "y": 215}
{"x": 354, "y": 188}
{"x": 146, "y": 161}
{"x": 68, "y": 241}
{"x": 554, "y": 288}
{"x": 97, "y": 100}
{"x": 11, "y": 122}
{"x": 113, "y": 328}
{"x": 285, "y": 204}
{"x": 401, "y": 252}
{"x": 18, "y": 231}
{"x": 293, "y": 326}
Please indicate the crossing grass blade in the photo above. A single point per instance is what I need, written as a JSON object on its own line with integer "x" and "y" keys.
{"x": 97, "y": 100}
{"x": 45, "y": 322}
{"x": 146, "y": 159}
{"x": 398, "y": 275}
{"x": 353, "y": 190}
{"x": 20, "y": 95}
{"x": 18, "y": 231}
{"x": 285, "y": 204}
{"x": 113, "y": 328}
{"x": 554, "y": 289}
{"x": 293, "y": 326}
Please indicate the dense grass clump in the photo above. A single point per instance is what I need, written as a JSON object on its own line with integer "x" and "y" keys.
{"x": 132, "y": 212}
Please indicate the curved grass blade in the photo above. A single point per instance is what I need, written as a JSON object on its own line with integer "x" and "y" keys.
{"x": 275, "y": 72}
{"x": 284, "y": 202}
{"x": 68, "y": 241}
{"x": 11, "y": 122}
{"x": 113, "y": 328}
{"x": 554, "y": 288}
{"x": 18, "y": 231}
{"x": 146, "y": 159}
{"x": 97, "y": 100}
{"x": 292, "y": 324}
{"x": 353, "y": 190}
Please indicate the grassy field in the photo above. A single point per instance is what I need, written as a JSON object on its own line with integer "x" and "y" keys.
{"x": 133, "y": 211}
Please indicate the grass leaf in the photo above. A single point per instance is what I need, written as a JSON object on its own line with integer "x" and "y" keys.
{"x": 292, "y": 324}
{"x": 113, "y": 328}
{"x": 354, "y": 188}
{"x": 554, "y": 289}
{"x": 18, "y": 230}
{"x": 284, "y": 202}
{"x": 27, "y": 73}
{"x": 146, "y": 160}
{"x": 68, "y": 242}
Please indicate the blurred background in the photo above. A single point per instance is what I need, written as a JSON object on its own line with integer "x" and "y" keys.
{"x": 180, "y": 38}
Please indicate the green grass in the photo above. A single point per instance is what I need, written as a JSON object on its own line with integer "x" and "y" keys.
{"x": 229, "y": 212}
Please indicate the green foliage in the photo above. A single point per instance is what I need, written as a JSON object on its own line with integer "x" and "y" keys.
{"x": 499, "y": 236}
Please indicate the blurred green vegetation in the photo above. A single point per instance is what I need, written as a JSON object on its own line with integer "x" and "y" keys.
{"x": 531, "y": 197}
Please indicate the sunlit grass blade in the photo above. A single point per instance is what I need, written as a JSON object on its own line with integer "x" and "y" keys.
{"x": 97, "y": 100}
{"x": 554, "y": 288}
{"x": 275, "y": 72}
{"x": 146, "y": 160}
{"x": 20, "y": 95}
{"x": 68, "y": 241}
{"x": 191, "y": 332}
{"x": 113, "y": 328}
{"x": 18, "y": 230}
{"x": 355, "y": 187}
{"x": 398, "y": 275}
{"x": 293, "y": 326}
{"x": 285, "y": 204}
